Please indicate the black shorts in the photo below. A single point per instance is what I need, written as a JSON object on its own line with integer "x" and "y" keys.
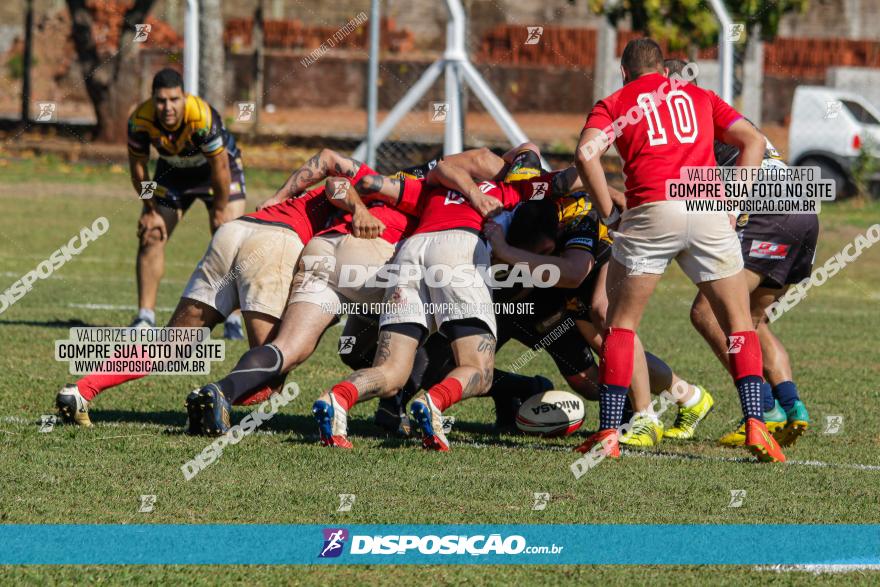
{"x": 557, "y": 334}
{"x": 780, "y": 247}
{"x": 178, "y": 187}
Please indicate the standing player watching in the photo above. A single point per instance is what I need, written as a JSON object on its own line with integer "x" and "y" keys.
{"x": 198, "y": 158}
{"x": 659, "y": 128}
{"x": 778, "y": 251}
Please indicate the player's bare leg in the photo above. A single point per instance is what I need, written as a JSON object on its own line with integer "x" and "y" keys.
{"x": 729, "y": 299}
{"x": 154, "y": 230}
{"x": 778, "y": 371}
{"x": 661, "y": 378}
{"x": 472, "y": 376}
{"x": 73, "y": 400}
{"x": 392, "y": 365}
{"x": 705, "y": 322}
{"x": 264, "y": 365}
{"x": 628, "y": 297}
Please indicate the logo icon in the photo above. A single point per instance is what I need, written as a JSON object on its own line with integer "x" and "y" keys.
{"x": 833, "y": 424}
{"x": 47, "y": 423}
{"x": 439, "y": 110}
{"x": 448, "y": 423}
{"x": 735, "y": 344}
{"x": 148, "y": 188}
{"x": 637, "y": 266}
{"x": 340, "y": 190}
{"x": 334, "y": 541}
{"x": 46, "y": 111}
{"x": 737, "y": 496}
{"x": 833, "y": 108}
{"x": 246, "y": 111}
{"x": 141, "y": 32}
{"x": 453, "y": 197}
{"x": 534, "y": 36}
{"x": 541, "y": 501}
{"x": 346, "y": 502}
{"x": 148, "y": 503}
{"x": 346, "y": 344}
{"x": 317, "y": 272}
{"x": 735, "y": 31}
{"x": 539, "y": 190}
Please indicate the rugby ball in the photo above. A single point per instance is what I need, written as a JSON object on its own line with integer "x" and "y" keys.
{"x": 552, "y": 413}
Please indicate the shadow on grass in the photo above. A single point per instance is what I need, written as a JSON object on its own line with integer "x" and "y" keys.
{"x": 47, "y": 323}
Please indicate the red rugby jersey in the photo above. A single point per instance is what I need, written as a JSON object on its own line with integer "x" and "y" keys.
{"x": 398, "y": 225}
{"x": 306, "y": 214}
{"x": 675, "y": 130}
{"x": 440, "y": 208}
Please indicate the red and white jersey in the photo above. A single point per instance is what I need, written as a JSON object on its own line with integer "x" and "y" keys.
{"x": 676, "y": 127}
{"x": 312, "y": 214}
{"x": 440, "y": 208}
{"x": 306, "y": 214}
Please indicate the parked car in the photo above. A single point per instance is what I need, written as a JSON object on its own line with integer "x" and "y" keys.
{"x": 829, "y": 129}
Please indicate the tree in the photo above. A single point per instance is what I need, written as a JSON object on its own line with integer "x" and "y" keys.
{"x": 212, "y": 57}
{"x": 109, "y": 80}
{"x": 691, "y": 23}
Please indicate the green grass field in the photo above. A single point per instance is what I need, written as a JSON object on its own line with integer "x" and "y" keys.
{"x": 98, "y": 475}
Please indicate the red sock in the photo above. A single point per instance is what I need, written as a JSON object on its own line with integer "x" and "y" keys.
{"x": 94, "y": 383}
{"x": 91, "y": 385}
{"x": 346, "y": 394}
{"x": 256, "y": 397}
{"x": 745, "y": 355}
{"x": 446, "y": 393}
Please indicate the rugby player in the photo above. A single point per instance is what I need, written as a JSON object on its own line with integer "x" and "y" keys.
{"x": 580, "y": 248}
{"x": 249, "y": 264}
{"x": 778, "y": 250}
{"x": 676, "y": 128}
{"x": 447, "y": 235}
{"x": 198, "y": 158}
{"x": 316, "y": 295}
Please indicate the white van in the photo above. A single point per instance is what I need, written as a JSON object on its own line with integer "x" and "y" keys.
{"x": 829, "y": 128}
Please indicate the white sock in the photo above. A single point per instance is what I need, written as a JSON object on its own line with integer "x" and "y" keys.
{"x": 147, "y": 314}
{"x": 650, "y": 414}
{"x": 695, "y": 398}
{"x": 233, "y": 319}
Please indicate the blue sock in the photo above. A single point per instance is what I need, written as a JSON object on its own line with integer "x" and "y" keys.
{"x": 749, "y": 388}
{"x": 787, "y": 393}
{"x": 767, "y": 398}
{"x": 612, "y": 398}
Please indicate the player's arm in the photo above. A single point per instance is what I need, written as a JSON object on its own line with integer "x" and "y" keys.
{"x": 574, "y": 264}
{"x": 325, "y": 163}
{"x": 379, "y": 187}
{"x": 592, "y": 144}
{"x": 480, "y": 164}
{"x": 569, "y": 180}
{"x": 138, "y": 166}
{"x": 455, "y": 178}
{"x": 150, "y": 219}
{"x": 751, "y": 144}
{"x": 221, "y": 179}
{"x": 343, "y": 195}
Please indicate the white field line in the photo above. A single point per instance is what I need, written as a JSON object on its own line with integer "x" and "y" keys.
{"x": 103, "y": 260}
{"x": 481, "y": 445}
{"x": 676, "y": 456}
{"x": 818, "y": 569}
{"x": 14, "y": 275}
{"x": 115, "y": 307}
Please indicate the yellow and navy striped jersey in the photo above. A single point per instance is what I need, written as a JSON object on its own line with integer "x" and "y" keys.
{"x": 198, "y": 135}
{"x": 580, "y": 227}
